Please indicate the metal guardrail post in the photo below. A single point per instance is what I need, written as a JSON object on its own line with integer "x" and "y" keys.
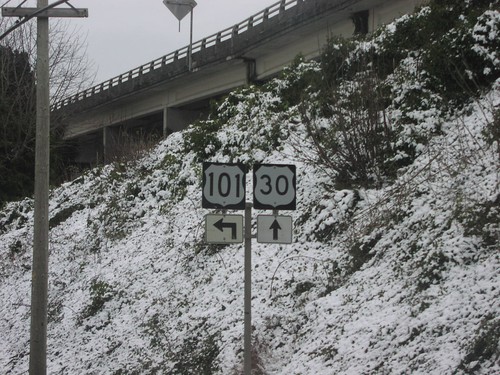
{"x": 282, "y": 6}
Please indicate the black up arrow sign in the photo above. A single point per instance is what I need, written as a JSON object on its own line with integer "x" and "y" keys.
{"x": 275, "y": 226}
{"x": 274, "y": 229}
{"x": 220, "y": 225}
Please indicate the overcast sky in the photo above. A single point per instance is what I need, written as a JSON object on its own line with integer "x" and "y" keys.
{"x": 124, "y": 34}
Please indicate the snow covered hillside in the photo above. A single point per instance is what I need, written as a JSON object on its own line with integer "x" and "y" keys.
{"x": 395, "y": 262}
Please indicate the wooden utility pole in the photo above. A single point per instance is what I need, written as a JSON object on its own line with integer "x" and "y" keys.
{"x": 40, "y": 269}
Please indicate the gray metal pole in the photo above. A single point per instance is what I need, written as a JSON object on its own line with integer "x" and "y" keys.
{"x": 39, "y": 289}
{"x": 190, "y": 58}
{"x": 247, "y": 348}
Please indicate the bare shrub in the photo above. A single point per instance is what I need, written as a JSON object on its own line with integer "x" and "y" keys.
{"x": 355, "y": 142}
{"x": 129, "y": 145}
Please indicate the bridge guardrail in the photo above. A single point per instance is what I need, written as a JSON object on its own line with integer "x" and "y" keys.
{"x": 212, "y": 40}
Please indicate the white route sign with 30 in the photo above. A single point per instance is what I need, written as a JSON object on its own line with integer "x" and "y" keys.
{"x": 274, "y": 186}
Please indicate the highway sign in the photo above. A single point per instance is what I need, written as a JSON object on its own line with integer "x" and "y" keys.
{"x": 223, "y": 186}
{"x": 180, "y": 8}
{"x": 274, "y": 229}
{"x": 223, "y": 229}
{"x": 274, "y": 186}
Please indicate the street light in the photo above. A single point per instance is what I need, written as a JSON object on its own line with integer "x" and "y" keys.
{"x": 180, "y": 8}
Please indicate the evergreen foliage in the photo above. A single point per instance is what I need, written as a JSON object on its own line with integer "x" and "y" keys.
{"x": 367, "y": 129}
{"x": 362, "y": 102}
{"x": 18, "y": 128}
{"x": 17, "y": 124}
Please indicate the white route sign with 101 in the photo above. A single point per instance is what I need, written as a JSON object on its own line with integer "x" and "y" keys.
{"x": 223, "y": 186}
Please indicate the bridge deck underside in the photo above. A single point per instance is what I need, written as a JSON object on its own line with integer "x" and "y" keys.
{"x": 170, "y": 96}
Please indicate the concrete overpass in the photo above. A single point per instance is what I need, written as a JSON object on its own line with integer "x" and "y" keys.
{"x": 163, "y": 95}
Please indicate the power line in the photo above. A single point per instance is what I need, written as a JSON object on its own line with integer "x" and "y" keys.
{"x": 8, "y": 1}
{"x": 22, "y": 21}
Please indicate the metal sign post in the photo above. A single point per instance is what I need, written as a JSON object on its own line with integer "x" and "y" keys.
{"x": 180, "y": 8}
{"x": 39, "y": 288}
{"x": 247, "y": 336}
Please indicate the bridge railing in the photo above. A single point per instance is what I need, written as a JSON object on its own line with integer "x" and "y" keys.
{"x": 219, "y": 37}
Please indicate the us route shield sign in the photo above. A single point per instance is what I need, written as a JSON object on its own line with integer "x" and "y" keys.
{"x": 274, "y": 187}
{"x": 223, "y": 186}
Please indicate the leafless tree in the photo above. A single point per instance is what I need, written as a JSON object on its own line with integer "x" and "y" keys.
{"x": 70, "y": 71}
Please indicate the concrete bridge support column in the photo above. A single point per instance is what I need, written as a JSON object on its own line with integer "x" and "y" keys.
{"x": 110, "y": 138}
{"x": 176, "y": 119}
{"x": 165, "y": 122}
{"x": 89, "y": 148}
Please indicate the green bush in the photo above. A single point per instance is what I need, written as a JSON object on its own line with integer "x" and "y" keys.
{"x": 100, "y": 293}
{"x": 483, "y": 347}
{"x": 201, "y": 138}
{"x": 198, "y": 355}
{"x": 481, "y": 220}
{"x": 379, "y": 96}
{"x": 257, "y": 115}
{"x": 172, "y": 166}
{"x": 297, "y": 83}
{"x": 356, "y": 142}
{"x": 492, "y": 131}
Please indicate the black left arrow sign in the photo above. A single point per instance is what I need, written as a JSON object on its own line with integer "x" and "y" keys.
{"x": 220, "y": 225}
{"x": 275, "y": 226}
